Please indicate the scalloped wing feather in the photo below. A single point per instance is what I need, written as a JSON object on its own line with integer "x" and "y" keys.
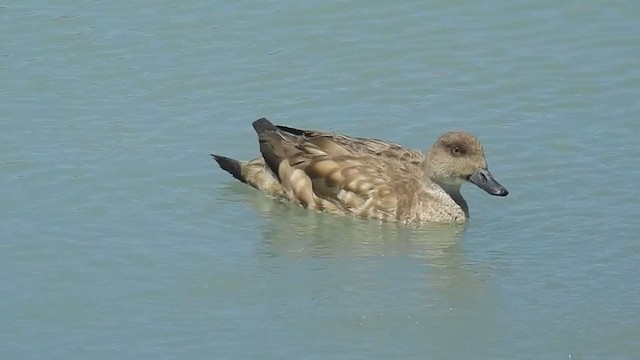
{"x": 322, "y": 174}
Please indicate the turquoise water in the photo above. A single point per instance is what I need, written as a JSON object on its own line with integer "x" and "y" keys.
{"x": 120, "y": 238}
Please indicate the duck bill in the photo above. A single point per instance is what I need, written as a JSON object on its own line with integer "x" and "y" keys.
{"x": 485, "y": 181}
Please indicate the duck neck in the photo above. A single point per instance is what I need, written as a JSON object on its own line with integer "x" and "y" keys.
{"x": 454, "y": 191}
{"x": 451, "y": 188}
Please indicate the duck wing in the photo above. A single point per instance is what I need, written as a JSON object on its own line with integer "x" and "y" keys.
{"x": 338, "y": 144}
{"x": 334, "y": 172}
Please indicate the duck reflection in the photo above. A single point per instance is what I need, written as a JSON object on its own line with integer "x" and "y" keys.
{"x": 292, "y": 232}
{"x": 363, "y": 273}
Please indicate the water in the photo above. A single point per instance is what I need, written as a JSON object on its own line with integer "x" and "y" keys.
{"x": 121, "y": 239}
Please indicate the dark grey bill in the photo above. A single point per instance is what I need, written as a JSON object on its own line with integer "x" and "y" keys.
{"x": 483, "y": 179}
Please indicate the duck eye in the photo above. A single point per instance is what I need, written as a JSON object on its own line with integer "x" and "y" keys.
{"x": 455, "y": 150}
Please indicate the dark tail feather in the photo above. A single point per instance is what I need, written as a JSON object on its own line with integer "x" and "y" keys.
{"x": 231, "y": 166}
{"x": 261, "y": 125}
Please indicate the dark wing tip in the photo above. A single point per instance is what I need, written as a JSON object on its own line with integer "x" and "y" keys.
{"x": 291, "y": 130}
{"x": 261, "y": 125}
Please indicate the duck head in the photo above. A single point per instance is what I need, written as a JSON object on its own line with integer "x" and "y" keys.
{"x": 458, "y": 157}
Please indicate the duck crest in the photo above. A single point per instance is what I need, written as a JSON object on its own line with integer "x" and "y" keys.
{"x": 368, "y": 178}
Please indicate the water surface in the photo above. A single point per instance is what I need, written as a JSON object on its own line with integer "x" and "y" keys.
{"x": 121, "y": 239}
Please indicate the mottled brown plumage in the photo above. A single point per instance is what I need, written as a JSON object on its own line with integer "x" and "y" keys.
{"x": 366, "y": 177}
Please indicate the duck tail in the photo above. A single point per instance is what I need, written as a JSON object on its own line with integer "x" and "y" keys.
{"x": 233, "y": 167}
